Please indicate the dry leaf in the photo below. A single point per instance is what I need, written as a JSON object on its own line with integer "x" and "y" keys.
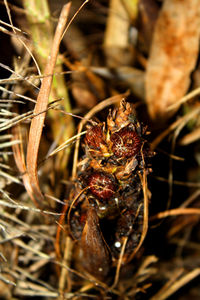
{"x": 173, "y": 55}
{"x": 95, "y": 251}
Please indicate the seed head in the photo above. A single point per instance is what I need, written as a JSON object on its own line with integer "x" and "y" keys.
{"x": 102, "y": 185}
{"x": 126, "y": 143}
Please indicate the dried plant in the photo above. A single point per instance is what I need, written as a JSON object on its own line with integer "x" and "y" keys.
{"x": 87, "y": 210}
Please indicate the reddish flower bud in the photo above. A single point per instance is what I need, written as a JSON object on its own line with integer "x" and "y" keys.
{"x": 94, "y": 136}
{"x": 125, "y": 143}
{"x": 102, "y": 185}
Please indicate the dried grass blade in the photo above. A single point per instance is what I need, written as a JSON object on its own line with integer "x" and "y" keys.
{"x": 10, "y": 177}
{"x": 41, "y": 105}
{"x": 190, "y": 137}
{"x": 177, "y": 285}
{"x": 176, "y": 212}
{"x": 186, "y": 118}
{"x": 20, "y": 162}
{"x": 145, "y": 215}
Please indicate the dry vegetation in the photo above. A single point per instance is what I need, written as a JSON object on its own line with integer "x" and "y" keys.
{"x": 63, "y": 66}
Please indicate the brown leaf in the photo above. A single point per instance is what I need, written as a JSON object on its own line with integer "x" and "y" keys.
{"x": 96, "y": 258}
{"x": 173, "y": 55}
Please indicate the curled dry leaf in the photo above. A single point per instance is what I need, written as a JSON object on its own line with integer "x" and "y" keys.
{"x": 173, "y": 55}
